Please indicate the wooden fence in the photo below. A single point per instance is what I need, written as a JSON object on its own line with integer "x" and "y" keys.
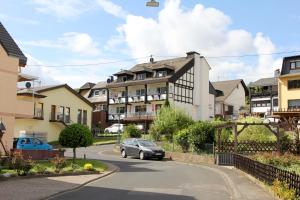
{"x": 249, "y": 147}
{"x": 267, "y": 173}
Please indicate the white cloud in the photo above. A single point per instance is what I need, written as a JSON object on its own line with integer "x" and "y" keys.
{"x": 112, "y": 8}
{"x": 81, "y": 43}
{"x": 63, "y": 8}
{"x": 206, "y": 30}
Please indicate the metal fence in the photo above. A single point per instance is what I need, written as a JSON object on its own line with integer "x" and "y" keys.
{"x": 267, "y": 173}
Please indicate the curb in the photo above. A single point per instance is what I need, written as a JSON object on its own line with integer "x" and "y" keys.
{"x": 113, "y": 169}
{"x": 104, "y": 144}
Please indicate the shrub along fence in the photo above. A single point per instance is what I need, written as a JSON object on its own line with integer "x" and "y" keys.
{"x": 267, "y": 173}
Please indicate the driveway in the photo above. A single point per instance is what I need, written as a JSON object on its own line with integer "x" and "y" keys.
{"x": 164, "y": 180}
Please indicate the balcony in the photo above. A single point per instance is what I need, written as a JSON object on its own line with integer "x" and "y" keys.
{"x": 136, "y": 99}
{"x": 263, "y": 93}
{"x": 117, "y": 100}
{"x": 157, "y": 97}
{"x": 140, "y": 116}
{"x": 115, "y": 117}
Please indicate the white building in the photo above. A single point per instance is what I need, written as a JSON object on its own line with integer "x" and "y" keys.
{"x": 138, "y": 93}
{"x": 233, "y": 99}
{"x": 264, "y": 96}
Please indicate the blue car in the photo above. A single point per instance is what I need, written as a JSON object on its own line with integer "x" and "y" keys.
{"x": 27, "y": 143}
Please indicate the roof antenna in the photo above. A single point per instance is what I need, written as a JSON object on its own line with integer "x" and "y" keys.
{"x": 151, "y": 59}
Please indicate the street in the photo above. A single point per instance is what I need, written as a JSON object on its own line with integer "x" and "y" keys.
{"x": 151, "y": 179}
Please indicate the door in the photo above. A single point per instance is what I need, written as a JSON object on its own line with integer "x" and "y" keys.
{"x": 53, "y": 111}
{"x": 37, "y": 144}
{"x": 135, "y": 148}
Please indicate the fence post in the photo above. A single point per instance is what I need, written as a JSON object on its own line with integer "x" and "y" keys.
{"x": 234, "y": 129}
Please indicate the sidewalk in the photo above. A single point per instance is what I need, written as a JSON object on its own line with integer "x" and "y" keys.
{"x": 41, "y": 188}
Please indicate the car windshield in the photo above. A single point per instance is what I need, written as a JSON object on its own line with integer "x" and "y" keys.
{"x": 146, "y": 143}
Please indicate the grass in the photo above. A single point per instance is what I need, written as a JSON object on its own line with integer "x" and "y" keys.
{"x": 105, "y": 140}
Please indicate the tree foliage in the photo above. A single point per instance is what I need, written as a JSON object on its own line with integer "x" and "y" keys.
{"x": 182, "y": 139}
{"x": 75, "y": 135}
{"x": 168, "y": 121}
{"x": 131, "y": 131}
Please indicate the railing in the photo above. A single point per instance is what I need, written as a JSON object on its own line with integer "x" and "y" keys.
{"x": 267, "y": 173}
{"x": 117, "y": 100}
{"x": 263, "y": 93}
{"x": 116, "y": 116}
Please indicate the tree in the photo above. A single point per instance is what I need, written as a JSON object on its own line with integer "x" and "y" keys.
{"x": 75, "y": 135}
{"x": 131, "y": 131}
{"x": 168, "y": 121}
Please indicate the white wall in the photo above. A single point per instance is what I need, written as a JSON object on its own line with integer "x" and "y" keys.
{"x": 237, "y": 98}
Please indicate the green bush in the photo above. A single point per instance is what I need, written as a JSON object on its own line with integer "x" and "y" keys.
{"x": 201, "y": 133}
{"x": 284, "y": 143}
{"x": 154, "y": 134}
{"x": 282, "y": 190}
{"x": 182, "y": 139}
{"x": 59, "y": 163}
{"x": 257, "y": 133}
{"x": 131, "y": 131}
{"x": 170, "y": 120}
{"x": 75, "y": 135}
{"x": 21, "y": 165}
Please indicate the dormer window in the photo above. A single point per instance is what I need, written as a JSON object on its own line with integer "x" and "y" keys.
{"x": 162, "y": 73}
{"x": 141, "y": 76}
{"x": 294, "y": 65}
{"x": 96, "y": 92}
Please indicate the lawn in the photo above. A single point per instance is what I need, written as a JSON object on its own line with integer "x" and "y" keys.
{"x": 105, "y": 140}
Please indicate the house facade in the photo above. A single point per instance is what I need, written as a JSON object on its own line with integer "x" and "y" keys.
{"x": 137, "y": 94}
{"x": 264, "y": 95}
{"x": 12, "y": 60}
{"x": 55, "y": 107}
{"x": 232, "y": 99}
{"x": 97, "y": 95}
{"x": 289, "y": 84}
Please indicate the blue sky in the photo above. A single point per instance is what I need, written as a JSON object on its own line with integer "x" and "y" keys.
{"x": 53, "y": 32}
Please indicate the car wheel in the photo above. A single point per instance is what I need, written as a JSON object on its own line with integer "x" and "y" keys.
{"x": 123, "y": 154}
{"x": 142, "y": 155}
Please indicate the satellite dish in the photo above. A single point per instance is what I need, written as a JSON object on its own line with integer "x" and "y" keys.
{"x": 152, "y": 3}
{"x": 28, "y": 85}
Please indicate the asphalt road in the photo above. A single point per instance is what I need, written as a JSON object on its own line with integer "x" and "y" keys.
{"x": 164, "y": 180}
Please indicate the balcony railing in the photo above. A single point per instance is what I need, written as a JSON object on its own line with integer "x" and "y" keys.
{"x": 117, "y": 100}
{"x": 264, "y": 93}
{"x": 116, "y": 116}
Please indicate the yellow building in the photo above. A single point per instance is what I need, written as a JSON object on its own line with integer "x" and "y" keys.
{"x": 55, "y": 108}
{"x": 11, "y": 61}
{"x": 289, "y": 85}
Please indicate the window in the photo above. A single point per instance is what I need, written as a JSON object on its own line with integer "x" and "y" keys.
{"x": 294, "y": 64}
{"x": 275, "y": 102}
{"x": 141, "y": 109}
{"x": 295, "y": 103}
{"x": 123, "y": 94}
{"x": 140, "y": 92}
{"x": 161, "y": 90}
{"x": 39, "y": 110}
{"x": 61, "y": 113}
{"x": 293, "y": 84}
{"x": 79, "y": 116}
{"x": 100, "y": 107}
{"x": 103, "y": 92}
{"x": 36, "y": 141}
{"x": 84, "y": 120}
{"x": 141, "y": 76}
{"x": 265, "y": 103}
{"x": 183, "y": 87}
{"x": 96, "y": 92}
{"x": 67, "y": 115}
{"x": 161, "y": 73}
{"x": 120, "y": 110}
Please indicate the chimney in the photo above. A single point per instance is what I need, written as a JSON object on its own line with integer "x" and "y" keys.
{"x": 151, "y": 59}
{"x": 277, "y": 73}
{"x": 191, "y": 54}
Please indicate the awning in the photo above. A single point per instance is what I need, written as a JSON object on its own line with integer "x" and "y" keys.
{"x": 26, "y": 77}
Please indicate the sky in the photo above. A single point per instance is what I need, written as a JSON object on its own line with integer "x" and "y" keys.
{"x": 102, "y": 37}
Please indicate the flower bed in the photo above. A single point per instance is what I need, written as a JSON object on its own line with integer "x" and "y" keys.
{"x": 56, "y": 166}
